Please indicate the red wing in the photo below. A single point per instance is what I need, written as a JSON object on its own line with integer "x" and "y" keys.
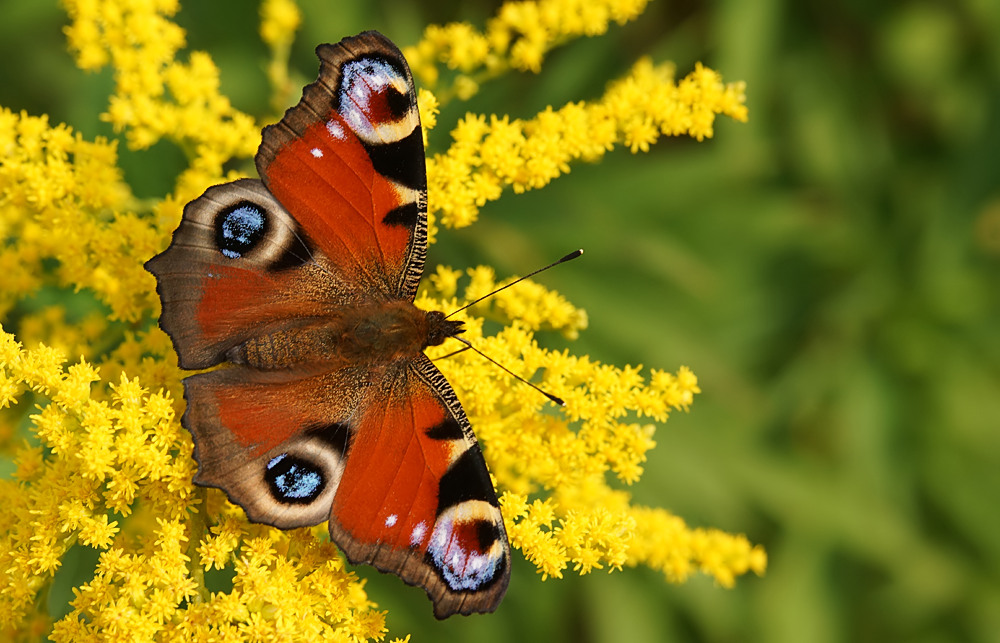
{"x": 344, "y": 222}
{"x": 348, "y": 163}
{"x": 395, "y": 468}
{"x": 274, "y": 442}
{"x": 416, "y": 499}
{"x": 239, "y": 266}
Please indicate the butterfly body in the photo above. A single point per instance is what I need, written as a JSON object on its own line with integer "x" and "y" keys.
{"x": 301, "y": 285}
{"x": 372, "y": 334}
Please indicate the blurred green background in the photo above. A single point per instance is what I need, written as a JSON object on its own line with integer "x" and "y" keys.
{"x": 829, "y": 270}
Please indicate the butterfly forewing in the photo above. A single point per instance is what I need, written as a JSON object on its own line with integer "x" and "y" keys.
{"x": 429, "y": 513}
{"x": 355, "y": 141}
{"x": 303, "y": 284}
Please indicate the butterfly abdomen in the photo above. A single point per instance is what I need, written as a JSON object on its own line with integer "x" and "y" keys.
{"x": 280, "y": 349}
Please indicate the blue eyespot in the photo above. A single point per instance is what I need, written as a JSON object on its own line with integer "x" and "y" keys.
{"x": 294, "y": 480}
{"x": 239, "y": 228}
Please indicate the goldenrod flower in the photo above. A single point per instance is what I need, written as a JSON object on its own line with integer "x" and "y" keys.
{"x": 489, "y": 154}
{"x": 107, "y": 465}
{"x": 518, "y": 37}
{"x": 279, "y": 20}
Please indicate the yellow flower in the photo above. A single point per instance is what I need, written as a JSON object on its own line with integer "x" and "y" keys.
{"x": 489, "y": 154}
{"x": 108, "y": 466}
{"x": 279, "y": 20}
{"x": 518, "y": 37}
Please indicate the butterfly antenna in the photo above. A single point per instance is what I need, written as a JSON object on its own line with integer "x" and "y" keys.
{"x": 557, "y": 400}
{"x": 453, "y": 353}
{"x": 469, "y": 346}
{"x": 572, "y": 255}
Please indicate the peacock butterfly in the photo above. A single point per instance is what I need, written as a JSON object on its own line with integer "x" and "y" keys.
{"x": 302, "y": 283}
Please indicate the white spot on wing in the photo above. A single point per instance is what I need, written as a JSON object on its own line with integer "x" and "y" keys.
{"x": 336, "y": 131}
{"x": 417, "y": 535}
{"x": 318, "y": 153}
{"x": 390, "y": 520}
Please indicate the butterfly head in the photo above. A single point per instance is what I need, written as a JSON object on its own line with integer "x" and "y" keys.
{"x": 440, "y": 329}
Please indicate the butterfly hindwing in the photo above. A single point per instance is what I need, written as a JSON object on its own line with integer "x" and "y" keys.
{"x": 240, "y": 267}
{"x": 395, "y": 468}
{"x": 280, "y": 461}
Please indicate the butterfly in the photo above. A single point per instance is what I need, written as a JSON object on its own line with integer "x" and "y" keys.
{"x": 302, "y": 285}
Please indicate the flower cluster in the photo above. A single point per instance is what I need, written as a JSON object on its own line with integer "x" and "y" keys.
{"x": 107, "y": 466}
{"x": 58, "y": 193}
{"x": 94, "y": 459}
{"x": 581, "y": 521}
{"x": 490, "y": 153}
{"x": 156, "y": 95}
{"x": 518, "y": 37}
{"x": 530, "y": 305}
{"x": 279, "y": 20}
{"x": 116, "y": 476}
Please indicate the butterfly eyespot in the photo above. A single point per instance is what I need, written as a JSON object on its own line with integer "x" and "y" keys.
{"x": 335, "y": 129}
{"x": 397, "y": 102}
{"x": 487, "y": 534}
{"x": 375, "y": 101}
{"x": 294, "y": 480}
{"x": 466, "y": 548}
{"x": 239, "y": 228}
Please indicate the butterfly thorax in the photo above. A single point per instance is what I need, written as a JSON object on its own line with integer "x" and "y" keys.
{"x": 375, "y": 333}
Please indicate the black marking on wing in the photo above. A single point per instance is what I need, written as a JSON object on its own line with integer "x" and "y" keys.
{"x": 466, "y": 479}
{"x": 337, "y": 435}
{"x": 398, "y": 102}
{"x": 448, "y": 429}
{"x": 487, "y": 534}
{"x": 401, "y": 161}
{"x": 297, "y": 253}
{"x": 404, "y": 215}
